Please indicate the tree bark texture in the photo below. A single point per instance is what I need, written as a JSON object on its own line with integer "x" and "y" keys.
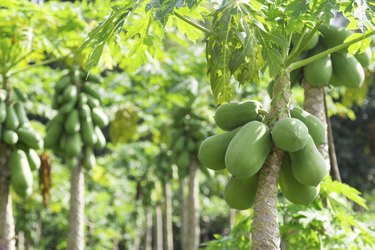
{"x": 7, "y": 231}
{"x": 148, "y": 240}
{"x": 76, "y": 236}
{"x": 193, "y": 230}
{"x": 159, "y": 228}
{"x": 167, "y": 216}
{"x": 183, "y": 213}
{"x": 265, "y": 227}
{"x": 314, "y": 103}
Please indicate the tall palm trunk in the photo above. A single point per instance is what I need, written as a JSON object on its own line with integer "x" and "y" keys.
{"x": 265, "y": 228}
{"x": 167, "y": 216}
{"x": 158, "y": 228}
{"x": 7, "y": 231}
{"x": 76, "y": 236}
{"x": 193, "y": 230}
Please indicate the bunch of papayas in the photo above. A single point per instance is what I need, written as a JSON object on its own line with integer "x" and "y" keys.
{"x": 76, "y": 129}
{"x": 303, "y": 167}
{"x": 242, "y": 150}
{"x": 188, "y": 132}
{"x": 21, "y": 140}
{"x": 337, "y": 69}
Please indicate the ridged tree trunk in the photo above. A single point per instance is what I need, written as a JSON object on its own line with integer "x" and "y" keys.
{"x": 193, "y": 230}
{"x": 7, "y": 231}
{"x": 148, "y": 236}
{"x": 183, "y": 213}
{"x": 265, "y": 227}
{"x": 158, "y": 228}
{"x": 76, "y": 236}
{"x": 315, "y": 104}
{"x": 167, "y": 216}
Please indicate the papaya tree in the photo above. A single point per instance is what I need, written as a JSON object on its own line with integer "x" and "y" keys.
{"x": 245, "y": 41}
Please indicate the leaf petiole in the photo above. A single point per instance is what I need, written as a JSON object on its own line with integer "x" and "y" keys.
{"x": 200, "y": 27}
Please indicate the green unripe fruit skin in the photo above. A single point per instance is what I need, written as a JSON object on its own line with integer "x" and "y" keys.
{"x": 333, "y": 36}
{"x": 318, "y": 72}
{"x": 21, "y": 176}
{"x": 290, "y": 134}
{"x": 33, "y": 159}
{"x": 87, "y": 132}
{"x": 348, "y": 70}
{"x": 21, "y": 113}
{"x": 364, "y": 58}
{"x": 30, "y": 138}
{"x": 11, "y": 121}
{"x": 212, "y": 150}
{"x": 99, "y": 117}
{"x": 10, "y": 137}
{"x": 54, "y": 130}
{"x": 235, "y": 114}
{"x": 3, "y": 111}
{"x": 73, "y": 145}
{"x": 310, "y": 44}
{"x": 72, "y": 124}
{"x": 308, "y": 165}
{"x": 100, "y": 142}
{"x": 313, "y": 124}
{"x": 293, "y": 190}
{"x": 240, "y": 193}
{"x": 248, "y": 149}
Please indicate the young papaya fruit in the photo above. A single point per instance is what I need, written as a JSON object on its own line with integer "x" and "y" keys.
{"x": 89, "y": 160}
{"x": 87, "y": 132}
{"x": 85, "y": 111}
{"x": 235, "y": 114}
{"x": 293, "y": 190}
{"x": 11, "y": 121}
{"x": 334, "y": 81}
{"x": 248, "y": 150}
{"x": 92, "y": 91}
{"x": 73, "y": 145}
{"x": 53, "y": 133}
{"x": 101, "y": 141}
{"x": 3, "y": 95}
{"x": 239, "y": 193}
{"x": 314, "y": 125}
{"x": 21, "y": 176}
{"x": 92, "y": 102}
{"x": 212, "y": 150}
{"x": 72, "y": 124}
{"x": 30, "y": 138}
{"x": 68, "y": 107}
{"x": 21, "y": 113}
{"x": 310, "y": 44}
{"x": 290, "y": 134}
{"x": 3, "y": 111}
{"x": 348, "y": 70}
{"x": 183, "y": 160}
{"x": 319, "y": 72}
{"x": 62, "y": 83}
{"x": 333, "y": 35}
{"x": 33, "y": 159}
{"x": 10, "y": 137}
{"x": 19, "y": 94}
{"x": 70, "y": 93}
{"x": 308, "y": 165}
{"x": 99, "y": 117}
{"x": 364, "y": 58}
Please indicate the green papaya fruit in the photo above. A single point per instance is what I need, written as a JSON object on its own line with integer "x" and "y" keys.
{"x": 191, "y": 145}
{"x": 68, "y": 107}
{"x": 53, "y": 133}
{"x": 334, "y": 81}
{"x": 212, "y": 150}
{"x": 10, "y": 137}
{"x": 183, "y": 160}
{"x": 85, "y": 111}
{"x": 92, "y": 102}
{"x": 248, "y": 149}
{"x": 73, "y": 145}
{"x": 290, "y": 134}
{"x": 235, "y": 114}
{"x": 348, "y": 70}
{"x": 87, "y": 132}
{"x": 21, "y": 113}
{"x": 101, "y": 141}
{"x": 92, "y": 91}
{"x": 319, "y": 72}
{"x": 3, "y": 111}
{"x": 30, "y": 138}
{"x": 82, "y": 100}
{"x": 62, "y": 142}
{"x": 179, "y": 144}
{"x": 89, "y": 160}
{"x": 314, "y": 125}
{"x": 21, "y": 96}
{"x": 308, "y": 165}
{"x": 310, "y": 44}
{"x": 21, "y": 176}
{"x": 11, "y": 121}
{"x": 293, "y": 190}
{"x": 99, "y": 117}
{"x": 93, "y": 78}
{"x": 239, "y": 193}
{"x": 3, "y": 95}
{"x": 33, "y": 159}
{"x": 62, "y": 84}
{"x": 70, "y": 93}
{"x": 333, "y": 36}
{"x": 72, "y": 124}
{"x": 364, "y": 58}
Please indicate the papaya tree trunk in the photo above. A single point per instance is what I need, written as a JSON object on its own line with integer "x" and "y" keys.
{"x": 265, "y": 227}
{"x": 158, "y": 228}
{"x": 183, "y": 212}
{"x": 193, "y": 230}
{"x": 314, "y": 103}
{"x": 167, "y": 216}
{"x": 76, "y": 236}
{"x": 137, "y": 232}
{"x": 232, "y": 217}
{"x": 148, "y": 240}
{"x": 7, "y": 231}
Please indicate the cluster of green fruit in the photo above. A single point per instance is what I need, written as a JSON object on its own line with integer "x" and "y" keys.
{"x": 21, "y": 139}
{"x": 337, "y": 69}
{"x": 76, "y": 129}
{"x": 187, "y": 133}
{"x": 245, "y": 147}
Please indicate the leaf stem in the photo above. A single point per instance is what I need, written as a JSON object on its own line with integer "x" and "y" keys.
{"x": 313, "y": 58}
{"x": 198, "y": 26}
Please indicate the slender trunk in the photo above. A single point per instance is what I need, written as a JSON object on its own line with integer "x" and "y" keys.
{"x": 167, "y": 216}
{"x": 183, "y": 213}
{"x": 21, "y": 241}
{"x": 148, "y": 243}
{"x": 76, "y": 236}
{"x": 7, "y": 231}
{"x": 232, "y": 217}
{"x": 265, "y": 228}
{"x": 137, "y": 232}
{"x": 193, "y": 230}
{"x": 315, "y": 104}
{"x": 159, "y": 228}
